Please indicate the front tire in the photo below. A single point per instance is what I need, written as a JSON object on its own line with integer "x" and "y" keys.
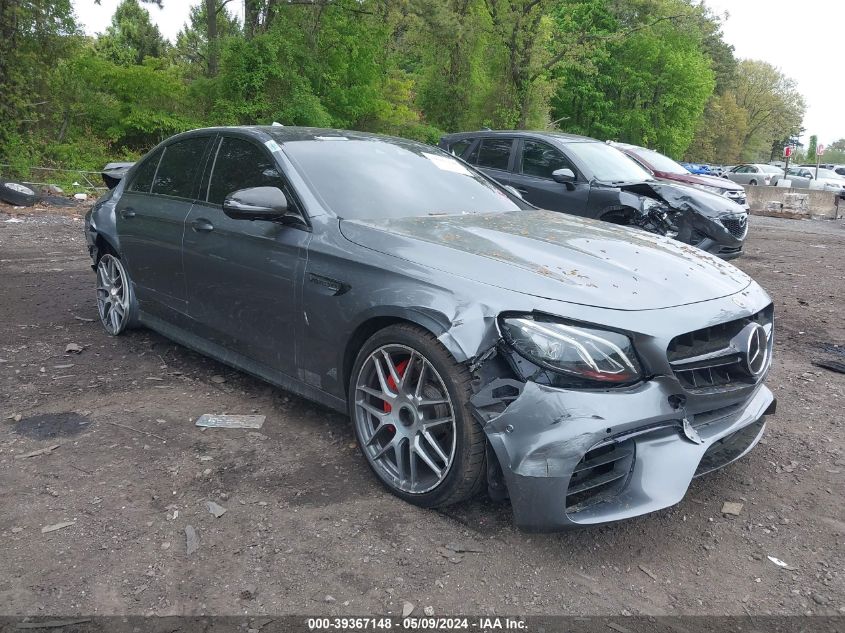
{"x": 115, "y": 298}
{"x": 409, "y": 404}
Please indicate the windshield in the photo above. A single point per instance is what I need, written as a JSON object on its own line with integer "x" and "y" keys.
{"x": 607, "y": 163}
{"x": 827, "y": 173}
{"x": 376, "y": 178}
{"x": 660, "y": 162}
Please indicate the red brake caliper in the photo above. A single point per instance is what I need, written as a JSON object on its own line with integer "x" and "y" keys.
{"x": 400, "y": 369}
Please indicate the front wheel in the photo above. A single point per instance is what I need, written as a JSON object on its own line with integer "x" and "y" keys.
{"x": 409, "y": 404}
{"x": 115, "y": 299}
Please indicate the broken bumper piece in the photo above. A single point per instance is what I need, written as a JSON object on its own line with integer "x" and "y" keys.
{"x": 577, "y": 457}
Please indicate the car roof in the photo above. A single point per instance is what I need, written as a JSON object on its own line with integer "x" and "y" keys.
{"x": 560, "y": 136}
{"x": 285, "y": 133}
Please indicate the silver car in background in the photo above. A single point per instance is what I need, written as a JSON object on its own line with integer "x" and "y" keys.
{"x": 754, "y": 174}
{"x": 811, "y": 178}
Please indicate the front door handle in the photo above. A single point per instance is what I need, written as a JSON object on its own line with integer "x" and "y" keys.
{"x": 522, "y": 191}
{"x": 127, "y": 213}
{"x": 202, "y": 225}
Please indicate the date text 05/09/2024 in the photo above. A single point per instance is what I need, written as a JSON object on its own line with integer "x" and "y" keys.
{"x": 482, "y": 624}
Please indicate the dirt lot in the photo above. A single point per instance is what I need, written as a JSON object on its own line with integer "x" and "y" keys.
{"x": 309, "y": 530}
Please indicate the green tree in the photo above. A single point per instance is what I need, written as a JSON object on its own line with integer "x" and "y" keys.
{"x": 773, "y": 105}
{"x": 198, "y": 44}
{"x": 131, "y": 37}
{"x": 649, "y": 76}
{"x": 811, "y": 148}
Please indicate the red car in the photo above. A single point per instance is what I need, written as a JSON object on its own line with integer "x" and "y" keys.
{"x": 664, "y": 168}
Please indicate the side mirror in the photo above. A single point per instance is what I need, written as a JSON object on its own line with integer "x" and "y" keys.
{"x": 563, "y": 176}
{"x": 256, "y": 203}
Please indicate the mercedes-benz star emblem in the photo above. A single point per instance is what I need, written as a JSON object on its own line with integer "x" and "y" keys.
{"x": 757, "y": 350}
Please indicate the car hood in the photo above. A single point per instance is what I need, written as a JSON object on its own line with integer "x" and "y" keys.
{"x": 683, "y": 197}
{"x": 701, "y": 179}
{"x": 555, "y": 256}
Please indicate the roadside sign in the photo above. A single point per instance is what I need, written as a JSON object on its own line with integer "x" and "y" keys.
{"x": 820, "y": 150}
{"x": 787, "y": 151}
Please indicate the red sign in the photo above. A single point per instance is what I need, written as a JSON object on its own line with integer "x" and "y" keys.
{"x": 787, "y": 151}
{"x": 820, "y": 150}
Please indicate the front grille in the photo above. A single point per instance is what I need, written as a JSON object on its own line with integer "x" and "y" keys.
{"x": 711, "y": 358}
{"x": 600, "y": 475}
{"x": 737, "y": 225}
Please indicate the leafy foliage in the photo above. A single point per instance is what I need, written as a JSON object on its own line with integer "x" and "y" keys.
{"x": 651, "y": 72}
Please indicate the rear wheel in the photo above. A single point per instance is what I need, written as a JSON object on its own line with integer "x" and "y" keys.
{"x": 409, "y": 403}
{"x": 753, "y": 182}
{"x": 115, "y": 299}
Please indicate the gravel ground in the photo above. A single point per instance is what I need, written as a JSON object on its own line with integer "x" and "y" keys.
{"x": 307, "y": 528}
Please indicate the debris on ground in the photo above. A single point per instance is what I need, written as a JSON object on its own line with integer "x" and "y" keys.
{"x": 80, "y": 196}
{"x": 219, "y": 380}
{"x": 329, "y": 598}
{"x": 781, "y": 563}
{"x": 732, "y": 507}
{"x": 73, "y": 348}
{"x": 461, "y": 548}
{"x": 210, "y": 420}
{"x": 192, "y": 541}
{"x": 249, "y": 592}
{"x": 429, "y": 611}
{"x": 57, "y": 526}
{"x": 215, "y": 509}
{"x": 831, "y": 365}
{"x": 407, "y": 609}
{"x": 40, "y": 451}
{"x": 648, "y": 573}
{"x": 14, "y": 221}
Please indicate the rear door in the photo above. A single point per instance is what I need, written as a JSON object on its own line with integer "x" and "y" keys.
{"x": 494, "y": 156}
{"x": 244, "y": 276}
{"x": 532, "y": 177}
{"x": 150, "y": 219}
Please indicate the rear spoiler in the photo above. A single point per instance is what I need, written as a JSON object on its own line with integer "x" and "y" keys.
{"x": 113, "y": 173}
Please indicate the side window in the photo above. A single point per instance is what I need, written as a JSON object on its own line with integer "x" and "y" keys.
{"x": 495, "y": 153}
{"x": 142, "y": 181}
{"x": 240, "y": 164}
{"x": 459, "y": 147}
{"x": 177, "y": 172}
{"x": 539, "y": 159}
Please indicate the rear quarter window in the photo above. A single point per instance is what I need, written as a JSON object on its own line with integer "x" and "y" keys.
{"x": 142, "y": 179}
{"x": 179, "y": 167}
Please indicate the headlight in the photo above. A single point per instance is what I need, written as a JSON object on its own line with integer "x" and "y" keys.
{"x": 577, "y": 351}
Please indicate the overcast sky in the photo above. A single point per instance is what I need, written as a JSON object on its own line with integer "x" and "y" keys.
{"x": 801, "y": 38}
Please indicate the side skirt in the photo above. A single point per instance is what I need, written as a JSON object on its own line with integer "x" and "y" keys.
{"x": 242, "y": 363}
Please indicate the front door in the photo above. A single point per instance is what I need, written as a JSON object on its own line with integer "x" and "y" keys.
{"x": 150, "y": 218}
{"x": 244, "y": 276}
{"x": 532, "y": 177}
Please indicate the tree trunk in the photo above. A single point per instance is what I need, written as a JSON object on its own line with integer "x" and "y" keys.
{"x": 252, "y": 13}
{"x": 213, "y": 39}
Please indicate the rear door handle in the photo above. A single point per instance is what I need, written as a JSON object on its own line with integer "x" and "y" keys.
{"x": 127, "y": 213}
{"x": 202, "y": 225}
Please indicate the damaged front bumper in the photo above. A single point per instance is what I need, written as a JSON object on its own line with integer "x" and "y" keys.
{"x": 572, "y": 457}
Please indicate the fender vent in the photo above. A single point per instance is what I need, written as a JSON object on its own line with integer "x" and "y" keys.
{"x": 600, "y": 475}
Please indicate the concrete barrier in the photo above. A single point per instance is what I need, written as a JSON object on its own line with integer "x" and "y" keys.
{"x": 787, "y": 202}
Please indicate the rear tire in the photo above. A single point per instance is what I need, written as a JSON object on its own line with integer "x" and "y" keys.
{"x": 16, "y": 194}
{"x": 753, "y": 183}
{"x": 116, "y": 304}
{"x": 417, "y": 433}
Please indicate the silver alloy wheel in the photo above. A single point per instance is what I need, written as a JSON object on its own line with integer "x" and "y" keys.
{"x": 113, "y": 294}
{"x": 405, "y": 418}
